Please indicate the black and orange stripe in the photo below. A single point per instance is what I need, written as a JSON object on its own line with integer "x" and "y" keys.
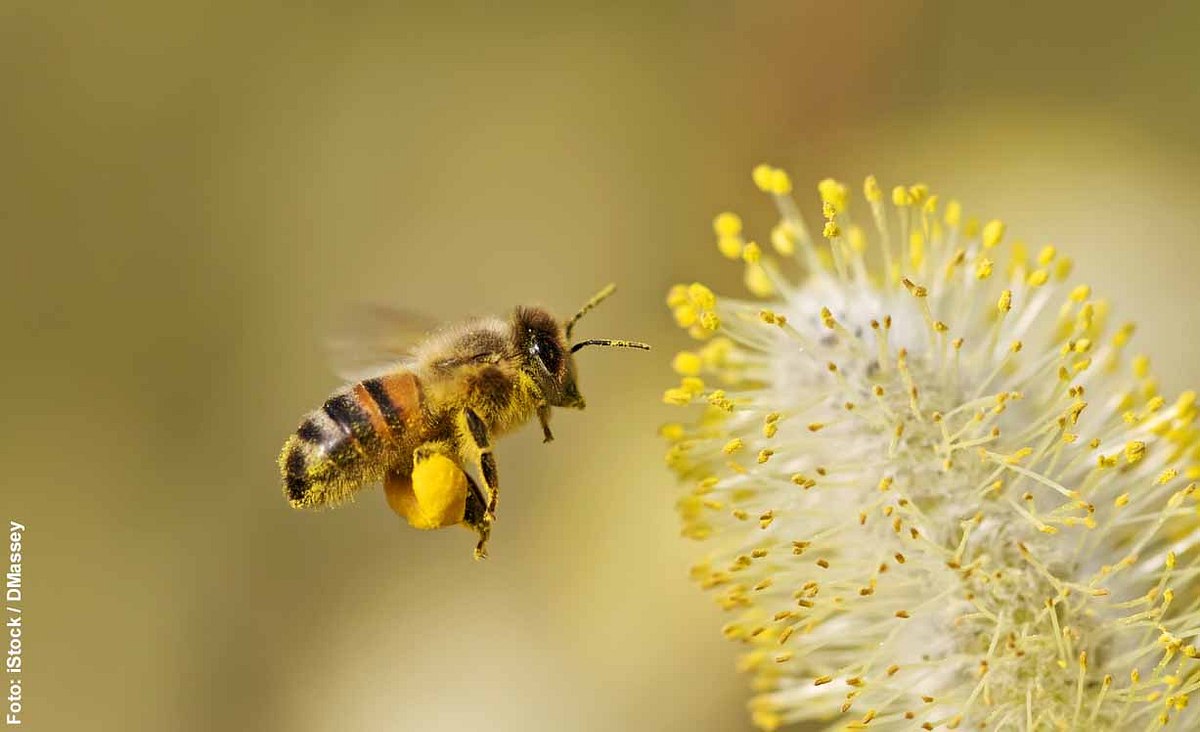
{"x": 332, "y": 450}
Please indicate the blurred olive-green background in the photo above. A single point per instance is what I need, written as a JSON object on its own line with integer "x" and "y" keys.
{"x": 194, "y": 193}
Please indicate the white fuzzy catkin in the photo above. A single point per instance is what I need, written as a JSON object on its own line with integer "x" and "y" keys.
{"x": 936, "y": 495}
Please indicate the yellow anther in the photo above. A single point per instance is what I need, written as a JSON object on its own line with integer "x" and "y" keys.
{"x": 677, "y": 397}
{"x": 734, "y": 445}
{"x": 727, "y": 224}
{"x": 831, "y": 230}
{"x": 993, "y": 232}
{"x": 914, "y": 289}
{"x": 833, "y": 193}
{"x": 1019, "y": 455}
{"x": 701, "y": 296}
{"x": 1141, "y": 366}
{"x": 1166, "y": 476}
{"x": 918, "y": 192}
{"x": 764, "y": 455}
{"x": 1123, "y": 334}
{"x": 763, "y": 175}
{"x": 1046, "y": 255}
{"x": 930, "y": 207}
{"x": 983, "y": 268}
{"x": 828, "y": 210}
{"x": 828, "y": 319}
{"x": 687, "y": 363}
{"x": 752, "y": 253}
{"x": 770, "y": 317}
{"x": 672, "y": 432}
{"x": 1062, "y": 270}
{"x": 916, "y": 248}
{"x": 871, "y": 189}
{"x": 716, "y": 352}
{"x": 730, "y": 247}
{"x": 1005, "y": 302}
{"x": 783, "y": 240}
{"x": 857, "y": 238}
{"x": 1122, "y": 500}
{"x": 1081, "y": 293}
{"x": 781, "y": 184}
{"x": 1038, "y": 277}
{"x": 692, "y": 385}
{"x": 1019, "y": 258}
{"x": 757, "y": 280}
{"x": 677, "y": 296}
{"x": 685, "y": 315}
{"x": 900, "y": 196}
{"x": 709, "y": 321}
{"x": 953, "y": 215}
{"x": 1135, "y": 451}
{"x": 1083, "y": 345}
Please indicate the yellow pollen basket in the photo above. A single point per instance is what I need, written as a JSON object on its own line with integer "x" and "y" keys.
{"x": 435, "y": 497}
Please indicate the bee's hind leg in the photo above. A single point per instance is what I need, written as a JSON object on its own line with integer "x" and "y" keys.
{"x": 439, "y": 493}
{"x": 475, "y": 517}
{"x": 466, "y": 472}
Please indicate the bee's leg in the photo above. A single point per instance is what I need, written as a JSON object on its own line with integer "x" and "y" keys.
{"x": 543, "y": 413}
{"x": 478, "y": 461}
{"x": 475, "y": 517}
{"x": 437, "y": 493}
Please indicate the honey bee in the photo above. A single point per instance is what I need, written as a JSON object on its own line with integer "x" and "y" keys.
{"x": 425, "y": 426}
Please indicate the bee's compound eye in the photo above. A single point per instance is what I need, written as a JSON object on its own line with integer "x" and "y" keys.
{"x": 547, "y": 352}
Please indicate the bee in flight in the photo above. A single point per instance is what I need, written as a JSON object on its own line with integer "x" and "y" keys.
{"x": 425, "y": 425}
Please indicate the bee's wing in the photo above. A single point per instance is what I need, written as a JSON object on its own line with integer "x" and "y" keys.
{"x": 376, "y": 339}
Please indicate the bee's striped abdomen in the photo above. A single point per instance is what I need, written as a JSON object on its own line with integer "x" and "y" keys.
{"x": 345, "y": 443}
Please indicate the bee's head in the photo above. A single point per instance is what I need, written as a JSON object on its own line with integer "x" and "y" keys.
{"x": 547, "y": 354}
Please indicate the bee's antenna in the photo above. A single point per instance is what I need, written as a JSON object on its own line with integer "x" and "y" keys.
{"x": 610, "y": 342}
{"x": 596, "y": 300}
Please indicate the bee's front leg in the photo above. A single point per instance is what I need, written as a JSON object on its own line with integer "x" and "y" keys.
{"x": 543, "y": 413}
